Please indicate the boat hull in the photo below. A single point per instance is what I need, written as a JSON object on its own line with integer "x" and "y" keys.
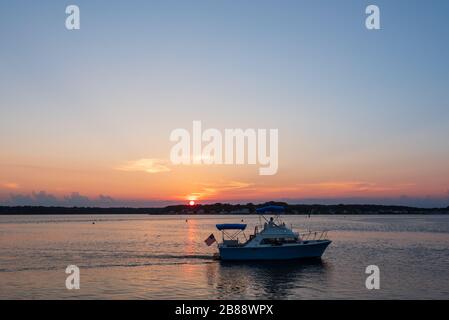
{"x": 309, "y": 249}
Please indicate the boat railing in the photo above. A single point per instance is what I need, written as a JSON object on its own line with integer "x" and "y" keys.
{"x": 313, "y": 235}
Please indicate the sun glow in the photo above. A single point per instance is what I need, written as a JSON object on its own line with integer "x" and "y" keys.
{"x": 191, "y": 203}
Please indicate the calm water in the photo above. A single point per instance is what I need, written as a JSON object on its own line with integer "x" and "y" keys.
{"x": 155, "y": 257}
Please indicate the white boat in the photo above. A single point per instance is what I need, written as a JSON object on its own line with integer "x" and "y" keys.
{"x": 275, "y": 241}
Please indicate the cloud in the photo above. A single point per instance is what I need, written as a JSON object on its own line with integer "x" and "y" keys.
{"x": 145, "y": 165}
{"x": 75, "y": 199}
{"x": 40, "y": 198}
{"x": 205, "y": 190}
{"x": 9, "y": 185}
{"x": 105, "y": 198}
{"x": 43, "y": 198}
{"x": 351, "y": 186}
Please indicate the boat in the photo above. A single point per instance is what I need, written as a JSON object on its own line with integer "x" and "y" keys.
{"x": 274, "y": 241}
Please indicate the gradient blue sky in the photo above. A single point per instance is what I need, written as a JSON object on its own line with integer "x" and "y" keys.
{"x": 362, "y": 114}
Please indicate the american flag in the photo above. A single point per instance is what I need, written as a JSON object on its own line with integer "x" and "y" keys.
{"x": 211, "y": 239}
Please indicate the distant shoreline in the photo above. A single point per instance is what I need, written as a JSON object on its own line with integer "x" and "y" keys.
{"x": 225, "y": 209}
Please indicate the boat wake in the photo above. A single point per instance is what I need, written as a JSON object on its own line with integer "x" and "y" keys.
{"x": 156, "y": 260}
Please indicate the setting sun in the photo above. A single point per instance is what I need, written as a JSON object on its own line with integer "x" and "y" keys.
{"x": 191, "y": 203}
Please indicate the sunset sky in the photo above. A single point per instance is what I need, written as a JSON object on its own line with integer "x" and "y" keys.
{"x": 86, "y": 115}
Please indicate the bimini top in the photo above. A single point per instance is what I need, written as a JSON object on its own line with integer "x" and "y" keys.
{"x": 270, "y": 209}
{"x": 231, "y": 226}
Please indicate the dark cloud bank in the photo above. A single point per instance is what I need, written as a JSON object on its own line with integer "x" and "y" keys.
{"x": 75, "y": 199}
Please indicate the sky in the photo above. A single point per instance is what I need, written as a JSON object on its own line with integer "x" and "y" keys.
{"x": 86, "y": 115}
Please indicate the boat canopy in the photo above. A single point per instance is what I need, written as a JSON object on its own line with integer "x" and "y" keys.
{"x": 270, "y": 209}
{"x": 231, "y": 226}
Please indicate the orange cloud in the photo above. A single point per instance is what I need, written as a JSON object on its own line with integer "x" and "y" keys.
{"x": 145, "y": 165}
{"x": 351, "y": 186}
{"x": 206, "y": 190}
{"x": 10, "y": 185}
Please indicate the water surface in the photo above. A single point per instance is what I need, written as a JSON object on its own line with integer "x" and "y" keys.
{"x": 164, "y": 257}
